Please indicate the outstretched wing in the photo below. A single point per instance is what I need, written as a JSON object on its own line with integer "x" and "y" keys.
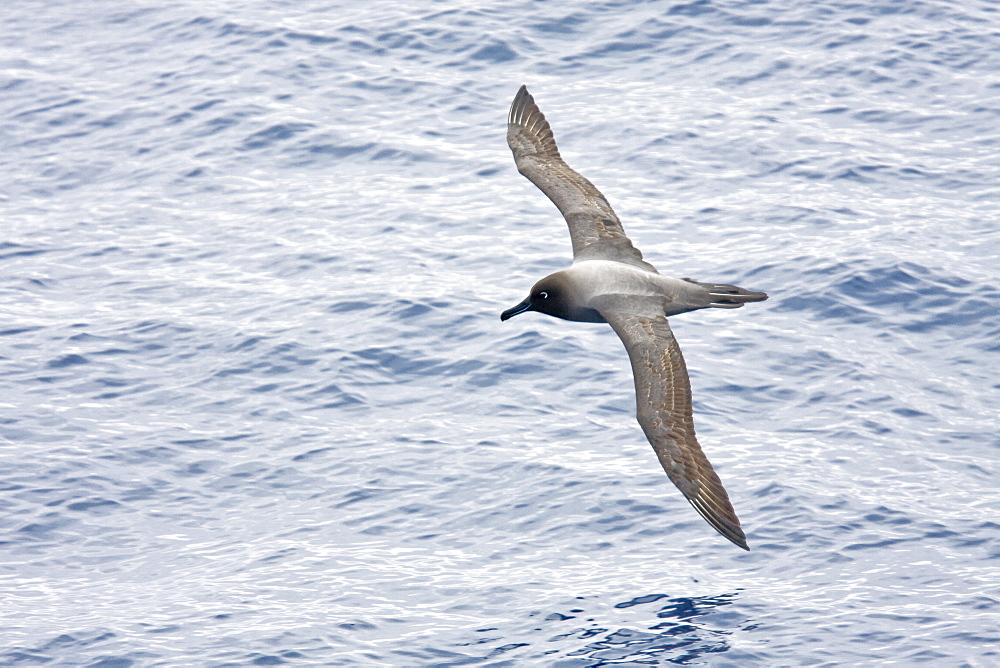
{"x": 596, "y": 232}
{"x": 663, "y": 408}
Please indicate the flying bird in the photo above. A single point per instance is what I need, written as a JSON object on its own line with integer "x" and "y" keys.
{"x": 610, "y": 282}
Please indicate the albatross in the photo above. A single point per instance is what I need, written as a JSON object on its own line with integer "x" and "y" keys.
{"x": 609, "y": 282}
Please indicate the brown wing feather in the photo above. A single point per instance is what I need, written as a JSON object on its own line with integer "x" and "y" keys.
{"x": 595, "y": 230}
{"x": 663, "y": 408}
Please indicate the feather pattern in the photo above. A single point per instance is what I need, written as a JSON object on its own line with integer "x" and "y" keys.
{"x": 594, "y": 228}
{"x": 663, "y": 409}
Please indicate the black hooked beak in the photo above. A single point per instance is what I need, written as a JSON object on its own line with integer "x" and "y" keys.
{"x": 514, "y": 310}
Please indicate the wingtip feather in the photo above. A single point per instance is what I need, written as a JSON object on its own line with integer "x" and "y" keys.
{"x": 527, "y": 120}
{"x": 728, "y": 528}
{"x": 522, "y": 101}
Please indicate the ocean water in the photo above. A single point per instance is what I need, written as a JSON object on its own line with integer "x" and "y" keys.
{"x": 257, "y": 406}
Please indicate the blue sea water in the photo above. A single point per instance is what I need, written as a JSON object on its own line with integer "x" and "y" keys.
{"x": 257, "y": 406}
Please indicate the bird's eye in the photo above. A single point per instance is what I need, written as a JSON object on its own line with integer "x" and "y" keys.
{"x": 543, "y": 295}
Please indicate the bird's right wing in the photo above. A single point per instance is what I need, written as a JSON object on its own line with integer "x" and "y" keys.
{"x": 595, "y": 230}
{"x": 663, "y": 408}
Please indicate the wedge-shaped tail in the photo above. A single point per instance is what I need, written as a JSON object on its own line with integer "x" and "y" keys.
{"x": 729, "y": 296}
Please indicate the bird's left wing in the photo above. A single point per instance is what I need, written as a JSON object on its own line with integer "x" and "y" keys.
{"x": 663, "y": 408}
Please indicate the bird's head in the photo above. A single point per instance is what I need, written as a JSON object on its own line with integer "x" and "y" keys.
{"x": 552, "y": 296}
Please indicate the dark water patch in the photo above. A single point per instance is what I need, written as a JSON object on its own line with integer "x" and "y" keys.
{"x": 640, "y": 600}
{"x": 402, "y": 40}
{"x": 112, "y": 120}
{"x": 909, "y": 412}
{"x": 67, "y": 360}
{"x": 313, "y": 454}
{"x": 875, "y": 544}
{"x": 964, "y": 312}
{"x": 215, "y": 125}
{"x": 399, "y": 362}
{"x": 232, "y": 371}
{"x": 91, "y": 504}
{"x": 827, "y": 308}
{"x": 23, "y": 253}
{"x": 112, "y": 662}
{"x": 905, "y": 296}
{"x": 698, "y": 8}
{"x": 46, "y": 530}
{"x": 882, "y": 286}
{"x": 233, "y": 28}
{"x": 340, "y": 150}
{"x": 412, "y": 311}
{"x": 247, "y": 344}
{"x": 749, "y": 21}
{"x": 566, "y": 25}
{"x": 141, "y": 493}
{"x": 766, "y": 73}
{"x": 103, "y": 251}
{"x": 845, "y": 40}
{"x": 497, "y": 52}
{"x": 273, "y": 135}
{"x": 883, "y": 515}
{"x": 349, "y": 305}
{"x": 18, "y": 330}
{"x": 48, "y": 107}
{"x": 618, "y": 47}
{"x": 342, "y": 398}
{"x": 782, "y": 167}
{"x": 268, "y": 387}
{"x": 197, "y": 469}
{"x": 195, "y": 443}
{"x": 48, "y": 651}
{"x": 670, "y": 635}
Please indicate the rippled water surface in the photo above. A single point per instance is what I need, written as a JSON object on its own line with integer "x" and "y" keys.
{"x": 257, "y": 406}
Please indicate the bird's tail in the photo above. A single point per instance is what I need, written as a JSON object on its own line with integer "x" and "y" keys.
{"x": 728, "y": 296}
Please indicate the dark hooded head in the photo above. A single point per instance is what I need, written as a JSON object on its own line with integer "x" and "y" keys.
{"x": 552, "y": 295}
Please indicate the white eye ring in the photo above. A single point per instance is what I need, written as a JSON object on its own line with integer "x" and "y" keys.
{"x": 543, "y": 295}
